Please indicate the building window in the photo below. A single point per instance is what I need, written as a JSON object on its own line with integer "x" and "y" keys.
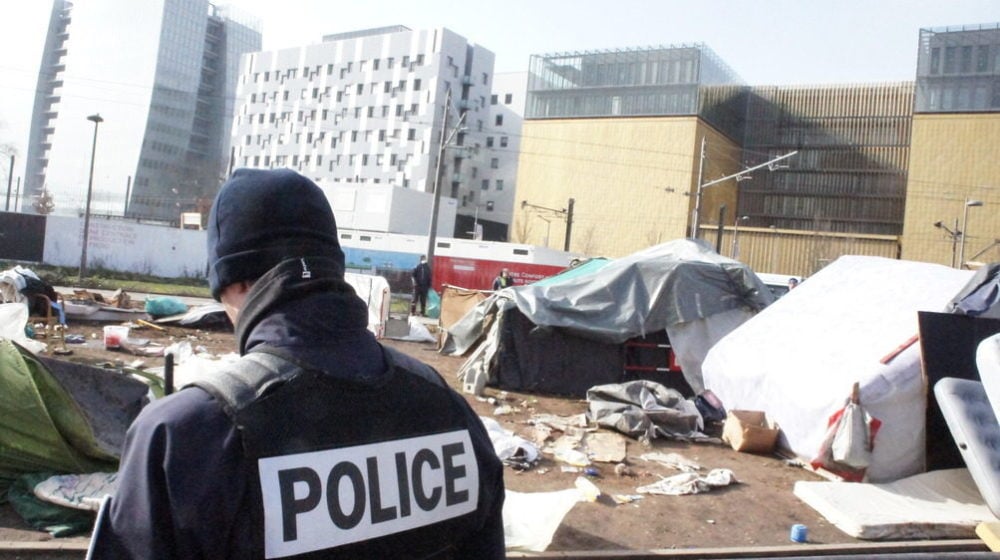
{"x": 489, "y": 141}
{"x": 361, "y": 88}
{"x": 486, "y": 78}
{"x": 411, "y": 134}
{"x": 499, "y": 120}
{"x": 329, "y": 69}
{"x": 364, "y": 159}
{"x": 508, "y": 99}
{"x": 381, "y": 135}
{"x": 406, "y": 61}
{"x": 402, "y": 85}
{"x": 354, "y": 136}
{"x": 495, "y": 163}
{"x": 399, "y": 110}
{"x": 375, "y": 64}
{"x": 390, "y": 62}
{"x": 503, "y": 141}
{"x": 416, "y": 84}
{"x": 420, "y": 60}
{"x": 982, "y": 58}
{"x": 371, "y": 111}
{"x": 499, "y": 184}
{"x": 949, "y": 60}
{"x": 486, "y": 184}
{"x": 494, "y": 99}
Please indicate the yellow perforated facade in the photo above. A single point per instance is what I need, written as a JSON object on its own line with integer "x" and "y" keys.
{"x": 633, "y": 181}
{"x": 953, "y": 158}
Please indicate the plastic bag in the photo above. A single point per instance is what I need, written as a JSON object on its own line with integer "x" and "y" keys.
{"x": 165, "y": 306}
{"x": 850, "y": 439}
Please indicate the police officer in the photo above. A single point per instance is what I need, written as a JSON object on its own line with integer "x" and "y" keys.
{"x": 319, "y": 442}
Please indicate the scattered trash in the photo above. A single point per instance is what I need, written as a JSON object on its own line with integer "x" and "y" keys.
{"x": 799, "y": 533}
{"x": 710, "y": 521}
{"x": 591, "y": 471}
{"x": 621, "y": 469}
{"x": 689, "y": 483}
{"x": 622, "y": 499}
{"x": 503, "y": 410}
{"x": 588, "y": 489}
{"x": 75, "y": 339}
{"x": 542, "y": 471}
{"x": 572, "y": 457}
{"x": 569, "y": 469}
{"x": 605, "y": 447}
{"x": 672, "y": 460}
{"x": 514, "y": 451}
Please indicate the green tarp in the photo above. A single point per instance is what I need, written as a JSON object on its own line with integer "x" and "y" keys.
{"x": 42, "y": 427}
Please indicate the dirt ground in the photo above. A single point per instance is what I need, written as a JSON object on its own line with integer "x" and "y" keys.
{"x": 758, "y": 511}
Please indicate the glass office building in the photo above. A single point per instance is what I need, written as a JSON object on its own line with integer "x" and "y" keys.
{"x": 656, "y": 81}
{"x": 163, "y": 86}
{"x": 958, "y": 69}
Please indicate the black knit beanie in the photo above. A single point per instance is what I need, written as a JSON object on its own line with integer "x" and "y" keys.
{"x": 262, "y": 217}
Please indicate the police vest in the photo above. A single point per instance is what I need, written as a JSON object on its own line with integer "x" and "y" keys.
{"x": 346, "y": 470}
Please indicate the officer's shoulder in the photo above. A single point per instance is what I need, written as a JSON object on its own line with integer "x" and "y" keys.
{"x": 185, "y": 409}
{"x": 415, "y": 367}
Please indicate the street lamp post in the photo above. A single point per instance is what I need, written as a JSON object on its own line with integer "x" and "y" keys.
{"x": 96, "y": 119}
{"x": 965, "y": 229}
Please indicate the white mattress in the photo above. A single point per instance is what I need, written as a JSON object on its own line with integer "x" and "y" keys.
{"x": 934, "y": 505}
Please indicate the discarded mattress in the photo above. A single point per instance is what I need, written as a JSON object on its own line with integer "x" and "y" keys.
{"x": 973, "y": 425}
{"x": 971, "y": 414}
{"x": 798, "y": 359}
{"x": 935, "y": 505}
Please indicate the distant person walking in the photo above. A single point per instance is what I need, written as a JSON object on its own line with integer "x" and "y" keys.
{"x": 502, "y": 281}
{"x": 421, "y": 285}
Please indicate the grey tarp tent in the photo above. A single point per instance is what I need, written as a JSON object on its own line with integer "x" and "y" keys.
{"x": 564, "y": 336}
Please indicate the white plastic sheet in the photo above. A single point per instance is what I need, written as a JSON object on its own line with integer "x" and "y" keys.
{"x": 13, "y": 318}
{"x": 798, "y": 359}
{"x": 531, "y": 519}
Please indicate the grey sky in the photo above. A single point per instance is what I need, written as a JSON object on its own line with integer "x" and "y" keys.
{"x": 765, "y": 41}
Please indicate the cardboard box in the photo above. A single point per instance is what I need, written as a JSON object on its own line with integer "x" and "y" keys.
{"x": 750, "y": 431}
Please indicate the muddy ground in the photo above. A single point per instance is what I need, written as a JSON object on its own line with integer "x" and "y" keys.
{"x": 758, "y": 511}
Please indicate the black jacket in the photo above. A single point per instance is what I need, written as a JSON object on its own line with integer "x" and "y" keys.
{"x": 186, "y": 487}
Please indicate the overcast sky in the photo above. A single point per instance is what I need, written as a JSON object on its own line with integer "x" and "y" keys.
{"x": 767, "y": 42}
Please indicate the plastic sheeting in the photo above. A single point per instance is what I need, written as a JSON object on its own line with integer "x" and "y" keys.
{"x": 42, "y": 428}
{"x": 799, "y": 358}
{"x": 644, "y": 409}
{"x": 644, "y": 293}
{"x": 565, "y": 334}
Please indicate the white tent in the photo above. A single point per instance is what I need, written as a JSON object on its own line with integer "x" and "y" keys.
{"x": 798, "y": 359}
{"x": 374, "y": 291}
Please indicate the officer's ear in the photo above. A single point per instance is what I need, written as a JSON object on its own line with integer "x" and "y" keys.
{"x": 233, "y": 296}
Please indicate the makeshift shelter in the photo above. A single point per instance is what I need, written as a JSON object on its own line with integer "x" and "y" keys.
{"x": 570, "y": 332}
{"x": 854, "y": 321}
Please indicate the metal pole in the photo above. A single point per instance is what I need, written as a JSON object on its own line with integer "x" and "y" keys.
{"x": 17, "y": 194}
{"x": 436, "y": 205}
{"x": 697, "y": 193}
{"x": 954, "y": 243}
{"x": 96, "y": 119}
{"x": 10, "y": 179}
{"x": 719, "y": 229}
{"x": 569, "y": 222}
{"x": 965, "y": 227}
{"x": 128, "y": 193}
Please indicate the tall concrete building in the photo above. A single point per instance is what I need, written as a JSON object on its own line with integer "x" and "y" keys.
{"x": 489, "y": 210}
{"x": 366, "y": 114}
{"x": 161, "y": 74}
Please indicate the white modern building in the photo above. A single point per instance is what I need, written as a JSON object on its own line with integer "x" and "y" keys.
{"x": 490, "y": 211}
{"x": 163, "y": 86}
{"x": 365, "y": 114}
